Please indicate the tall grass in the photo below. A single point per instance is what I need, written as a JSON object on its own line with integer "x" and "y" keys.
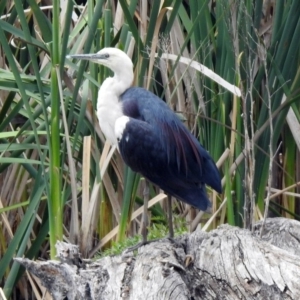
{"x": 61, "y": 180}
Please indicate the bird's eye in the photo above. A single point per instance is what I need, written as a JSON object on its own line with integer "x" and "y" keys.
{"x": 106, "y": 55}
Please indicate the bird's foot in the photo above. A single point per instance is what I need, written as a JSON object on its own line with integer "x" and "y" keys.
{"x": 140, "y": 244}
{"x": 171, "y": 239}
{"x": 143, "y": 243}
{"x": 135, "y": 247}
{"x": 176, "y": 242}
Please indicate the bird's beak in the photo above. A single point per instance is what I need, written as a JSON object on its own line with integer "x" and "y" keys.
{"x": 93, "y": 56}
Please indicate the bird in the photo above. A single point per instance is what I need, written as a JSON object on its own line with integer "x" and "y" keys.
{"x": 149, "y": 135}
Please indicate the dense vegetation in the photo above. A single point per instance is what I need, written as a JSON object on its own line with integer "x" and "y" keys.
{"x": 60, "y": 180}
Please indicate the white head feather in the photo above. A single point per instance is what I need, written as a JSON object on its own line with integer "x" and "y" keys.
{"x": 109, "y": 108}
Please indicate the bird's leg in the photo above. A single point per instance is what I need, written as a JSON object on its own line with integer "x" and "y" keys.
{"x": 144, "y": 230}
{"x": 170, "y": 220}
{"x": 145, "y": 213}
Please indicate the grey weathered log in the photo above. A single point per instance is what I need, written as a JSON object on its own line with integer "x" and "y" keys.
{"x": 281, "y": 232}
{"x": 227, "y": 263}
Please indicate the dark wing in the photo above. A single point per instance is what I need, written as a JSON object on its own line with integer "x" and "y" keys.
{"x": 177, "y": 150}
{"x": 142, "y": 151}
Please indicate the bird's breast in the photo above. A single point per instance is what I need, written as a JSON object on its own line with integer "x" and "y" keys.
{"x": 108, "y": 111}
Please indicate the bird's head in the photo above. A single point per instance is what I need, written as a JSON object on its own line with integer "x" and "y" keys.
{"x": 113, "y": 58}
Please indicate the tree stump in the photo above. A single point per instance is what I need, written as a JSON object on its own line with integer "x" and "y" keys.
{"x": 226, "y": 263}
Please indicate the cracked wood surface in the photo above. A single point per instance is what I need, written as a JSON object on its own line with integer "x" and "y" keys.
{"x": 226, "y": 263}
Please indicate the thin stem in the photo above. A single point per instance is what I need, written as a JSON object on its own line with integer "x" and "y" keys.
{"x": 267, "y": 200}
{"x": 145, "y": 213}
{"x": 55, "y": 201}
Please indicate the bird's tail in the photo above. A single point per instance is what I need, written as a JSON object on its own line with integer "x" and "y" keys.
{"x": 195, "y": 196}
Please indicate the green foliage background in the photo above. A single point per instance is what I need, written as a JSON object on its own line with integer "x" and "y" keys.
{"x": 58, "y": 177}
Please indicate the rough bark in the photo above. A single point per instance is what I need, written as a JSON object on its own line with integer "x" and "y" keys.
{"x": 227, "y": 263}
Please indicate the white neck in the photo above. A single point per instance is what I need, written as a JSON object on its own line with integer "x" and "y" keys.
{"x": 123, "y": 80}
{"x": 109, "y": 108}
